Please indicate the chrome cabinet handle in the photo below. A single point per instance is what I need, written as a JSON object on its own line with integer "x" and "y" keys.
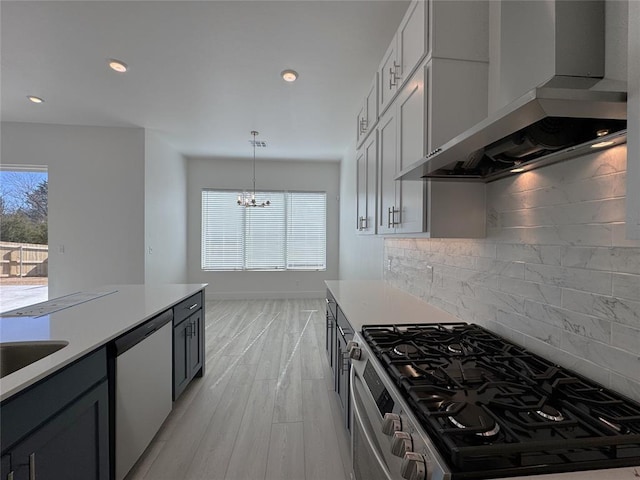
{"x": 193, "y": 306}
{"x": 341, "y": 331}
{"x": 32, "y": 466}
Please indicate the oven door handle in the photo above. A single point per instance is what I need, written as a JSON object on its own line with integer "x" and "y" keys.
{"x": 359, "y": 420}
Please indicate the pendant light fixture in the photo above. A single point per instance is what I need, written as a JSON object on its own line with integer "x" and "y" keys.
{"x": 248, "y": 199}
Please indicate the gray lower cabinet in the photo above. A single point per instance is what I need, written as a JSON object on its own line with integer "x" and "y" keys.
{"x": 336, "y": 341}
{"x": 59, "y": 428}
{"x": 188, "y": 342}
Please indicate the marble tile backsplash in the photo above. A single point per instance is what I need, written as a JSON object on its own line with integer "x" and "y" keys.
{"x": 554, "y": 273}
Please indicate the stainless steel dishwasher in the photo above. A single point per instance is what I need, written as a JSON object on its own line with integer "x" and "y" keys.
{"x": 142, "y": 388}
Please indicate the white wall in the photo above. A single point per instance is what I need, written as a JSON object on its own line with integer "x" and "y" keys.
{"x": 96, "y": 200}
{"x": 270, "y": 175}
{"x": 360, "y": 255}
{"x": 165, "y": 216}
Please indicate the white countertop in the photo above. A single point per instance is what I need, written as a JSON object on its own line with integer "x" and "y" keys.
{"x": 366, "y": 302}
{"x": 86, "y": 326}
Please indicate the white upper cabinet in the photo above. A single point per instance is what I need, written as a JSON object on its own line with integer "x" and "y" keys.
{"x": 441, "y": 99}
{"x": 432, "y": 86}
{"x": 433, "y": 28}
{"x": 387, "y": 73}
{"x": 368, "y": 114}
{"x": 367, "y": 166}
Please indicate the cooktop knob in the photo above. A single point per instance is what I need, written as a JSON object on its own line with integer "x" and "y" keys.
{"x": 351, "y": 344}
{"x": 401, "y": 444}
{"x": 414, "y": 466}
{"x": 391, "y": 423}
{"x": 355, "y": 353}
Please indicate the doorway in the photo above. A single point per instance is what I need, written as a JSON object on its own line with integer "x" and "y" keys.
{"x": 24, "y": 249}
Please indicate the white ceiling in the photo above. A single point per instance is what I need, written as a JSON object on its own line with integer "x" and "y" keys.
{"x": 202, "y": 74}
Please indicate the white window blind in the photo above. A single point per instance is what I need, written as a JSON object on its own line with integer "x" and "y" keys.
{"x": 264, "y": 234}
{"x": 306, "y": 230}
{"x": 222, "y": 235}
{"x": 290, "y": 234}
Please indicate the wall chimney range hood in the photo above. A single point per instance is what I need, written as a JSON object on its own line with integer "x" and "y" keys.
{"x": 562, "y": 118}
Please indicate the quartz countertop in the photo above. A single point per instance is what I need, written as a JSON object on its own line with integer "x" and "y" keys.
{"x": 109, "y": 312}
{"x": 366, "y": 302}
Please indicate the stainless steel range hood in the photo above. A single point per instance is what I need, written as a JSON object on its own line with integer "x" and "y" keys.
{"x": 564, "y": 117}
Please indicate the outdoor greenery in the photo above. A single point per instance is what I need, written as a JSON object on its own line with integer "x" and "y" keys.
{"x": 23, "y": 213}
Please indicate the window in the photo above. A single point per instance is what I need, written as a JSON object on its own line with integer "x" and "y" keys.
{"x": 290, "y": 234}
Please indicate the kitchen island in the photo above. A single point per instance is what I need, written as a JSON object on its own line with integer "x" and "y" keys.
{"x": 91, "y": 407}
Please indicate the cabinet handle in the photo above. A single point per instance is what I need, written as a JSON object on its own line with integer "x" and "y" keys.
{"x": 193, "y": 328}
{"x": 193, "y": 306}
{"x": 391, "y": 217}
{"x": 396, "y": 75}
{"x": 362, "y": 223}
{"x": 392, "y": 78}
{"x": 363, "y": 125}
{"x": 345, "y": 361}
{"x": 32, "y": 466}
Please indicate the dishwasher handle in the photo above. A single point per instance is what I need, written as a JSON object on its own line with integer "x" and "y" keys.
{"x": 139, "y": 333}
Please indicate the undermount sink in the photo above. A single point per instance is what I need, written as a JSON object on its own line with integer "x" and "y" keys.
{"x": 16, "y": 355}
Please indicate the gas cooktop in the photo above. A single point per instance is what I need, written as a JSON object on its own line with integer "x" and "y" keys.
{"x": 489, "y": 404}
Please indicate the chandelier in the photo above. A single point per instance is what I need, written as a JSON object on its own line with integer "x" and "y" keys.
{"x": 248, "y": 199}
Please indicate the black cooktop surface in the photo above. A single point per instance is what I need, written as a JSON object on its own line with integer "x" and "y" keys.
{"x": 495, "y": 409}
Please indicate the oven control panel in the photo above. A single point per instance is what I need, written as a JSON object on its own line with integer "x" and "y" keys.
{"x": 383, "y": 400}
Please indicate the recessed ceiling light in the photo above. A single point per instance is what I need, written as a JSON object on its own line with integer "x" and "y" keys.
{"x": 35, "y": 99}
{"x": 118, "y": 66}
{"x": 289, "y": 75}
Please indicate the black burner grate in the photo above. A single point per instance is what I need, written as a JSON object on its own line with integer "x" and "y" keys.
{"x": 495, "y": 409}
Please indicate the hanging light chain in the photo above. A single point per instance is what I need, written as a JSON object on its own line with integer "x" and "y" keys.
{"x": 248, "y": 199}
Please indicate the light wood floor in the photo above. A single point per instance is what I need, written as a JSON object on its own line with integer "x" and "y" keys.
{"x": 265, "y": 408}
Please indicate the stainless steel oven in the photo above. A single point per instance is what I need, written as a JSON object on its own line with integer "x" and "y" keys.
{"x": 399, "y": 423}
{"x": 385, "y": 441}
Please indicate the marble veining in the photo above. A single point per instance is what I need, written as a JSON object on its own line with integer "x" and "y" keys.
{"x": 555, "y": 272}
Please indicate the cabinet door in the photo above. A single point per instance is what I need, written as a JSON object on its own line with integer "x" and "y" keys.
{"x": 411, "y": 113}
{"x": 387, "y": 73}
{"x": 361, "y": 190}
{"x": 361, "y": 119}
{"x": 5, "y": 466}
{"x": 387, "y": 148}
{"x": 180, "y": 358}
{"x": 343, "y": 364}
{"x": 74, "y": 445}
{"x": 371, "y": 165}
{"x": 412, "y": 39}
{"x": 195, "y": 344}
{"x": 371, "y": 106}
